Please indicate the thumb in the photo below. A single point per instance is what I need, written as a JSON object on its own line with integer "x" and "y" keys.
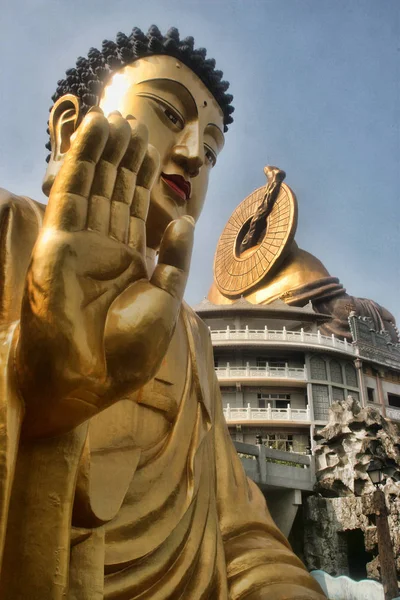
{"x": 172, "y": 270}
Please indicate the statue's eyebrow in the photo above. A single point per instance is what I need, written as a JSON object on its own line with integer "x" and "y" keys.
{"x": 180, "y": 91}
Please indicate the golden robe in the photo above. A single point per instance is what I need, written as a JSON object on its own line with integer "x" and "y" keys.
{"x": 148, "y": 500}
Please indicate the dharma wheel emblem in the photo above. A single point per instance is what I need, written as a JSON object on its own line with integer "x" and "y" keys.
{"x": 257, "y": 237}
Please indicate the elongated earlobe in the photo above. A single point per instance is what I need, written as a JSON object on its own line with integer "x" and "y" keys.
{"x": 63, "y": 121}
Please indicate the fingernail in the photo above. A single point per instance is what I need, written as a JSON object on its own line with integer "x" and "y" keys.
{"x": 190, "y": 219}
{"x": 114, "y": 113}
{"x": 131, "y": 117}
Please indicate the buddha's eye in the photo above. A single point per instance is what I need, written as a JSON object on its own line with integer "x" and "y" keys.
{"x": 170, "y": 115}
{"x": 210, "y": 156}
{"x": 173, "y": 117}
{"x": 165, "y": 109}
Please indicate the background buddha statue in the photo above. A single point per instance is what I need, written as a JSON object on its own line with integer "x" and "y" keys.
{"x": 118, "y": 478}
{"x": 257, "y": 257}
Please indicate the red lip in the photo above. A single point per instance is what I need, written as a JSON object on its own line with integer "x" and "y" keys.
{"x": 178, "y": 184}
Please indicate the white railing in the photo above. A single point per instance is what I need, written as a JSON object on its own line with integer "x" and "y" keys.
{"x": 393, "y": 413}
{"x": 266, "y": 414}
{"x": 266, "y": 372}
{"x": 281, "y": 335}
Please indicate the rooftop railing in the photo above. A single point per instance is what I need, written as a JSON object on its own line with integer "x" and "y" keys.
{"x": 267, "y": 372}
{"x": 266, "y": 414}
{"x": 281, "y": 335}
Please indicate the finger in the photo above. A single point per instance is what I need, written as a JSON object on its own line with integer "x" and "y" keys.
{"x": 125, "y": 182}
{"x": 140, "y": 205}
{"x": 172, "y": 269}
{"x": 68, "y": 202}
{"x": 106, "y": 173}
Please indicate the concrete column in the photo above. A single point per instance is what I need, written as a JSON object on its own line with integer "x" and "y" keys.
{"x": 262, "y": 462}
{"x": 239, "y": 398}
{"x": 379, "y": 376}
{"x": 283, "y": 507}
{"x": 361, "y": 384}
{"x": 311, "y": 408}
{"x": 310, "y": 401}
{"x": 312, "y": 442}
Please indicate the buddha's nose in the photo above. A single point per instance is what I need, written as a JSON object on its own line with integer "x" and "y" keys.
{"x": 187, "y": 153}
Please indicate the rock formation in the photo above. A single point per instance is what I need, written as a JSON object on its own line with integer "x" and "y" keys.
{"x": 353, "y": 438}
{"x": 339, "y": 532}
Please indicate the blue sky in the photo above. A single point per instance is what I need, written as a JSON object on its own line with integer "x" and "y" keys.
{"x": 317, "y": 92}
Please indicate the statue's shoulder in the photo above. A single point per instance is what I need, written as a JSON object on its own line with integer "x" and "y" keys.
{"x": 21, "y": 207}
{"x": 299, "y": 274}
{"x": 20, "y": 222}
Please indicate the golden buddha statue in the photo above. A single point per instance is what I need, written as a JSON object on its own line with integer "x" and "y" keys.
{"x": 257, "y": 258}
{"x": 118, "y": 478}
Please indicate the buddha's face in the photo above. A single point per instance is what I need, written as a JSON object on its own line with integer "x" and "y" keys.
{"x": 185, "y": 124}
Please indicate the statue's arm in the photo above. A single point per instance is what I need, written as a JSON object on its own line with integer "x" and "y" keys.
{"x": 260, "y": 562}
{"x": 340, "y": 308}
{"x": 20, "y": 221}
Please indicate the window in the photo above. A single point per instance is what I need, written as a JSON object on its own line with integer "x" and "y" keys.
{"x": 394, "y": 400}
{"x": 351, "y": 375}
{"x": 274, "y": 400}
{"x": 336, "y": 371}
{"x": 263, "y": 361}
{"x": 216, "y": 362}
{"x": 371, "y": 394}
{"x": 279, "y": 441}
{"x": 277, "y": 362}
{"x": 337, "y": 394}
{"x": 318, "y": 368}
{"x": 321, "y": 402}
{"x": 281, "y": 404}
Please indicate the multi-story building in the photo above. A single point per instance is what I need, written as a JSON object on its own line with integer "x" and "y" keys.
{"x": 286, "y": 347}
{"x": 278, "y": 374}
{"x": 282, "y": 362}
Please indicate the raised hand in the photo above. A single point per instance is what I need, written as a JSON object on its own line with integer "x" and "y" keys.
{"x": 76, "y": 355}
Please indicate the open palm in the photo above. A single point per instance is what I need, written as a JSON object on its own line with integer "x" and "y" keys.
{"x": 93, "y": 325}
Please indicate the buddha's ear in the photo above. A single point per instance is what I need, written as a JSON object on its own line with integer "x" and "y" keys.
{"x": 63, "y": 121}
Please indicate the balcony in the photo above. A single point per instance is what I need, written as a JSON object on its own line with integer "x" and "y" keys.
{"x": 260, "y": 373}
{"x": 266, "y": 414}
{"x": 275, "y": 469}
{"x": 302, "y": 338}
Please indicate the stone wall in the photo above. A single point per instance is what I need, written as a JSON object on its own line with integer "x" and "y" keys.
{"x": 327, "y": 519}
